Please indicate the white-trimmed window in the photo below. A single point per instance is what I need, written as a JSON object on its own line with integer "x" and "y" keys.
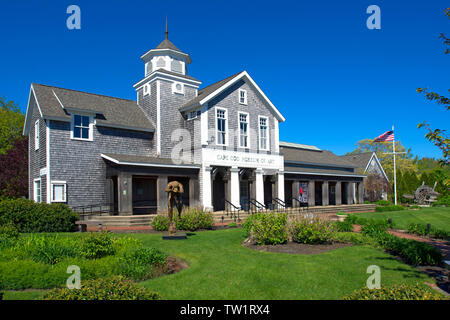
{"x": 178, "y": 87}
{"x": 148, "y": 67}
{"x": 37, "y": 190}
{"x": 147, "y": 89}
{"x": 221, "y": 126}
{"x": 242, "y": 96}
{"x": 59, "y": 191}
{"x": 82, "y": 127}
{"x": 263, "y": 133}
{"x": 243, "y": 130}
{"x": 36, "y": 135}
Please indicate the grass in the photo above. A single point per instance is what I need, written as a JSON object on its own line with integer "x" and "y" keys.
{"x": 438, "y": 217}
{"x": 220, "y": 268}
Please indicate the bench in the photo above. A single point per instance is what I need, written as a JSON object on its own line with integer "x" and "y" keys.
{"x": 82, "y": 224}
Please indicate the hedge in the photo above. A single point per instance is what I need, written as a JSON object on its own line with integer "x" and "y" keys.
{"x": 29, "y": 216}
{"x": 396, "y": 292}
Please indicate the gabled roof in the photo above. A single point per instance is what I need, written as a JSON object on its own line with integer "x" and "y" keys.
{"x": 360, "y": 160}
{"x": 56, "y": 103}
{"x": 298, "y": 146}
{"x": 211, "y": 91}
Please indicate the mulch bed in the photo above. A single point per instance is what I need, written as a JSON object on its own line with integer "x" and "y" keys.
{"x": 296, "y": 248}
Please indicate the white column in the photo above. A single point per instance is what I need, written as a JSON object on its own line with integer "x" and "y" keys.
{"x": 235, "y": 194}
{"x": 280, "y": 185}
{"x": 206, "y": 185}
{"x": 259, "y": 185}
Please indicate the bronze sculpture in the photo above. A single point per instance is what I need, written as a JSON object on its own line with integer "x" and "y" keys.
{"x": 174, "y": 190}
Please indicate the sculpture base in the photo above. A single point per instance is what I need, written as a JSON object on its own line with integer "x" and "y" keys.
{"x": 174, "y": 236}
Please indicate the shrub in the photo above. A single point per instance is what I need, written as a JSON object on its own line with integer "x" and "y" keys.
{"x": 354, "y": 238}
{"x": 138, "y": 263}
{"x": 160, "y": 223}
{"x": 374, "y": 227}
{"x": 29, "y": 216}
{"x": 48, "y": 249}
{"x": 267, "y": 228}
{"x": 383, "y": 203}
{"x": 311, "y": 230}
{"x": 193, "y": 219}
{"x": 115, "y": 288}
{"x": 442, "y": 201}
{"x": 125, "y": 243}
{"x": 232, "y": 225}
{"x": 414, "y": 252}
{"x": 97, "y": 245}
{"x": 8, "y": 235}
{"x": 396, "y": 292}
{"x": 344, "y": 226}
{"x": 389, "y": 208}
{"x": 422, "y": 230}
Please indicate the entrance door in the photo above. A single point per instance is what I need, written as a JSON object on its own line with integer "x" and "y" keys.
{"x": 218, "y": 193}
{"x": 288, "y": 193}
{"x": 268, "y": 197}
{"x": 244, "y": 194}
{"x": 144, "y": 195}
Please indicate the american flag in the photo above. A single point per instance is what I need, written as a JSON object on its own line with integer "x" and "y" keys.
{"x": 387, "y": 136}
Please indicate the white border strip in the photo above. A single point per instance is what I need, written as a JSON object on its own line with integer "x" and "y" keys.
{"x": 148, "y": 164}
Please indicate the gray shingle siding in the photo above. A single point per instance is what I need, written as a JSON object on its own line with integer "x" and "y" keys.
{"x": 255, "y": 107}
{"x": 79, "y": 162}
{"x": 37, "y": 158}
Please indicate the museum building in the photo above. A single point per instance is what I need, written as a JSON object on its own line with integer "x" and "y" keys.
{"x": 221, "y": 142}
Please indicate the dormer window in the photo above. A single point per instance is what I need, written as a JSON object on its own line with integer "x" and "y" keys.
{"x": 242, "y": 96}
{"x": 178, "y": 87}
{"x": 147, "y": 89}
{"x": 82, "y": 127}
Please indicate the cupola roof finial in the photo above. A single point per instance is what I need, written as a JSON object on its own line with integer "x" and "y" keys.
{"x": 167, "y": 32}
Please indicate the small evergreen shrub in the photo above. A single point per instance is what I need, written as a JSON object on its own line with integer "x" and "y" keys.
{"x": 374, "y": 227}
{"x": 160, "y": 223}
{"x": 354, "y": 238}
{"x": 115, "y": 288}
{"x": 194, "y": 219}
{"x": 396, "y": 292}
{"x": 422, "y": 230}
{"x": 138, "y": 263}
{"x": 311, "y": 230}
{"x": 267, "y": 228}
{"x": 29, "y": 216}
{"x": 8, "y": 235}
{"x": 389, "y": 208}
{"x": 97, "y": 245}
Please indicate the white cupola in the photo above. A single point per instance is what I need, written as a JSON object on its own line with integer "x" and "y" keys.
{"x": 166, "y": 56}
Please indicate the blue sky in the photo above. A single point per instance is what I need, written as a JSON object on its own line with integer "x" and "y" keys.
{"x": 334, "y": 80}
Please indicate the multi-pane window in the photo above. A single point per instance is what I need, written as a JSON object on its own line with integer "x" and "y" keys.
{"x": 243, "y": 130}
{"x": 221, "y": 126}
{"x": 263, "y": 133}
{"x": 36, "y": 135}
{"x": 58, "y": 191}
{"x": 37, "y": 190}
{"x": 243, "y": 96}
{"x": 81, "y": 127}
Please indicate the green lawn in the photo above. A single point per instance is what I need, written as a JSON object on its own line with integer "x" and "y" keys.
{"x": 438, "y": 217}
{"x": 220, "y": 268}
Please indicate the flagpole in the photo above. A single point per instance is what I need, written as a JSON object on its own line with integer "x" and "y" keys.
{"x": 395, "y": 176}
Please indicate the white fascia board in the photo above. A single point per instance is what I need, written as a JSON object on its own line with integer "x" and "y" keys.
{"x": 126, "y": 163}
{"x": 29, "y": 112}
{"x": 155, "y": 75}
{"x": 233, "y": 81}
{"x": 168, "y": 52}
{"x": 326, "y": 174}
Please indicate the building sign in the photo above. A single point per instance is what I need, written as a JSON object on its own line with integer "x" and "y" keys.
{"x": 242, "y": 159}
{"x": 43, "y": 171}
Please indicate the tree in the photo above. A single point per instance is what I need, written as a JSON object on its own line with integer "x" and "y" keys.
{"x": 403, "y": 161}
{"x": 438, "y": 137}
{"x": 11, "y": 124}
{"x": 14, "y": 170}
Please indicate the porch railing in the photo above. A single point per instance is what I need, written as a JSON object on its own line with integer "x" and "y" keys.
{"x": 279, "y": 205}
{"x": 95, "y": 209}
{"x": 232, "y": 211}
{"x": 256, "y": 206}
